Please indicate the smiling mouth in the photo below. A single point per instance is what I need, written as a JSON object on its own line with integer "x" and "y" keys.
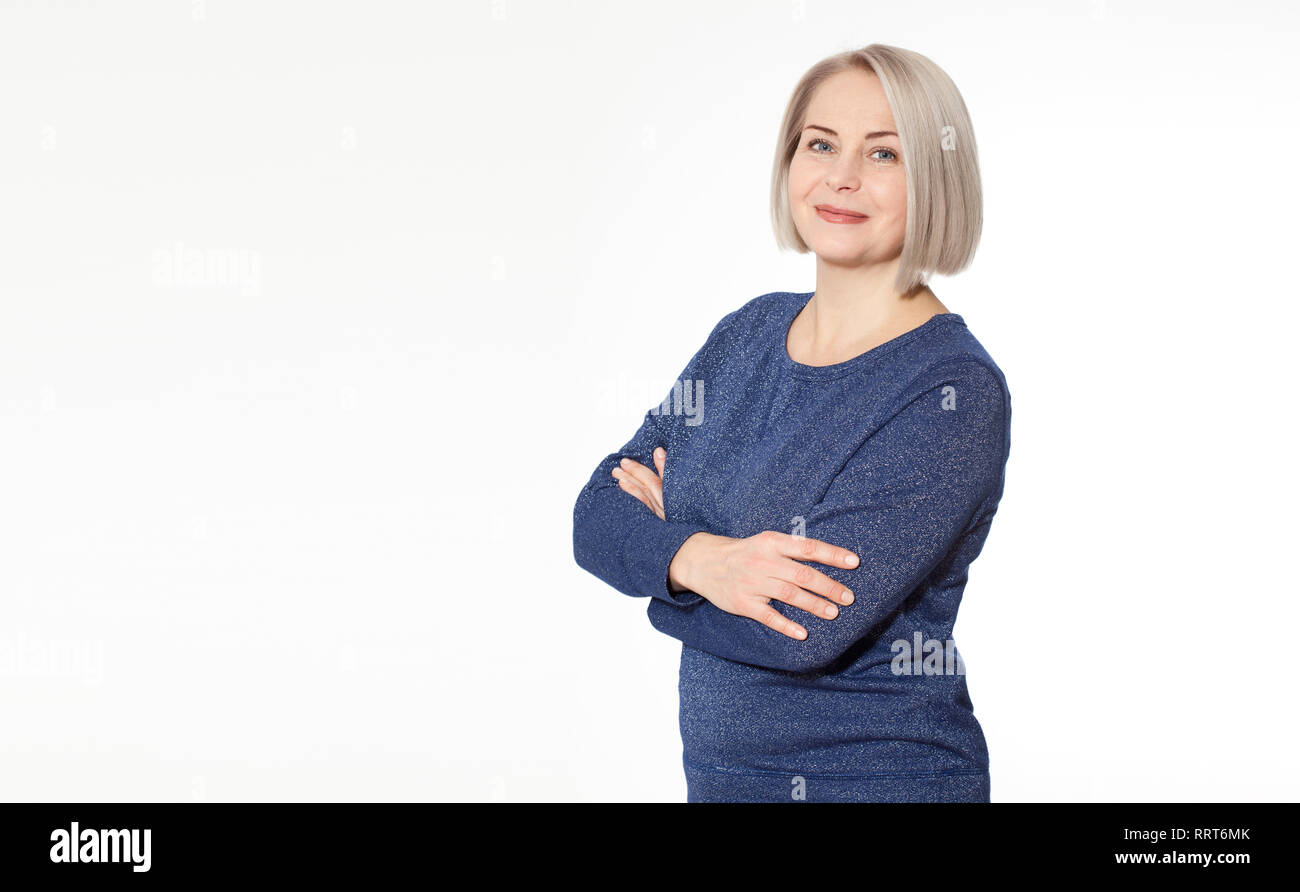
{"x": 833, "y": 215}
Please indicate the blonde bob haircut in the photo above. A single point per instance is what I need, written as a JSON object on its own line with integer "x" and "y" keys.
{"x": 944, "y": 201}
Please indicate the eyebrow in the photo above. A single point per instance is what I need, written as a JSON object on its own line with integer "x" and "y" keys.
{"x": 873, "y": 135}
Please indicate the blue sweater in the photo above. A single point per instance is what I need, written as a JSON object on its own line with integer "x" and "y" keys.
{"x": 899, "y": 455}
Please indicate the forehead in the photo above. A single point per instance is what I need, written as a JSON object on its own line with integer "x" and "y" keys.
{"x": 851, "y": 102}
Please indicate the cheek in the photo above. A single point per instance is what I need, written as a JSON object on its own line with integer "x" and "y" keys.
{"x": 803, "y": 178}
{"x": 890, "y": 194}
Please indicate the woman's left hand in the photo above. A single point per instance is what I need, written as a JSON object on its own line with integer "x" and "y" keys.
{"x": 645, "y": 484}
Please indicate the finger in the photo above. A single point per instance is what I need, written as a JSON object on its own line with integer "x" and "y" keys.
{"x": 773, "y": 618}
{"x": 629, "y": 485}
{"x": 648, "y": 480}
{"x": 661, "y": 455}
{"x": 644, "y": 475}
{"x": 802, "y": 548}
{"x": 796, "y": 596}
{"x": 652, "y": 500}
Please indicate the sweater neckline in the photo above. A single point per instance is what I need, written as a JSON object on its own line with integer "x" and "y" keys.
{"x": 822, "y": 372}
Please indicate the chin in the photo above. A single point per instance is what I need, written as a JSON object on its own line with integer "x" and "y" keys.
{"x": 839, "y": 253}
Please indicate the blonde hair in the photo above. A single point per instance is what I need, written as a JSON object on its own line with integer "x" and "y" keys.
{"x": 944, "y": 201}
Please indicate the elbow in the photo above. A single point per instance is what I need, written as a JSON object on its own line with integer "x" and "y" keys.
{"x": 828, "y": 647}
{"x": 591, "y": 544}
{"x": 802, "y": 657}
{"x": 808, "y": 661}
{"x": 583, "y": 554}
{"x": 581, "y": 543}
{"x": 580, "y": 548}
{"x": 799, "y": 666}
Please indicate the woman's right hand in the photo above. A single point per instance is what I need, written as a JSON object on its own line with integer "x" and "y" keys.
{"x": 741, "y": 576}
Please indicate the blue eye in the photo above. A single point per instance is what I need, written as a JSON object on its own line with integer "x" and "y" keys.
{"x": 817, "y": 140}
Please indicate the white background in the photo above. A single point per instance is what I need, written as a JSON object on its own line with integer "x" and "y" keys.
{"x": 301, "y": 529}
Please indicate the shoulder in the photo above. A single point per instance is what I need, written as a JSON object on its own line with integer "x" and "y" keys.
{"x": 955, "y": 356}
{"x": 954, "y": 386}
{"x": 756, "y": 312}
{"x": 759, "y": 308}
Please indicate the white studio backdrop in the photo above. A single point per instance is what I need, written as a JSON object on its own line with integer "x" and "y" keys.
{"x": 315, "y": 317}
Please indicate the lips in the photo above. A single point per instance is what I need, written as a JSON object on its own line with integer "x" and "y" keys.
{"x": 840, "y": 212}
{"x": 832, "y": 214}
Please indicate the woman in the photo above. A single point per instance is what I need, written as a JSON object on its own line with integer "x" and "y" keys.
{"x": 826, "y": 469}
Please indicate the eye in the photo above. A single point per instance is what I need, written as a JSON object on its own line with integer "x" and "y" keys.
{"x": 889, "y": 152}
{"x": 818, "y": 140}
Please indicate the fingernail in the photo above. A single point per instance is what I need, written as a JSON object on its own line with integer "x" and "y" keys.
{"x": 851, "y": 560}
{"x": 847, "y": 597}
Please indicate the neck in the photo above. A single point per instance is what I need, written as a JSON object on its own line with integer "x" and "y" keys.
{"x": 852, "y": 304}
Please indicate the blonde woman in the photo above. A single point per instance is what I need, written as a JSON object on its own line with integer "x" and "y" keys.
{"x": 803, "y": 507}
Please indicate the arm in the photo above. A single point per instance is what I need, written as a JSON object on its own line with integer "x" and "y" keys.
{"x": 616, "y": 537}
{"x": 902, "y": 501}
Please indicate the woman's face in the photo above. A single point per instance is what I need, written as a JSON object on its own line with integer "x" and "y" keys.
{"x": 849, "y": 157}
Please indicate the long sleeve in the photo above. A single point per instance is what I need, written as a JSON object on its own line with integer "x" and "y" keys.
{"x": 900, "y": 503}
{"x": 616, "y": 537}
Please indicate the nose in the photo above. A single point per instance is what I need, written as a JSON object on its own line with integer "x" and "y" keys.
{"x": 844, "y": 173}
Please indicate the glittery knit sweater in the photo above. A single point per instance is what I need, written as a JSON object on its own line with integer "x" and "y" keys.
{"x": 898, "y": 455}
